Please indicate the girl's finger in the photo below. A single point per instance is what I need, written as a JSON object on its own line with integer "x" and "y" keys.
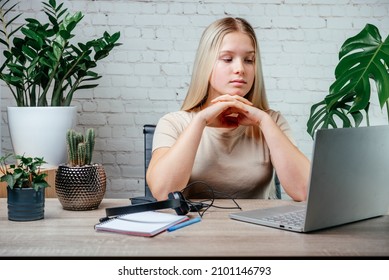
{"x": 228, "y": 97}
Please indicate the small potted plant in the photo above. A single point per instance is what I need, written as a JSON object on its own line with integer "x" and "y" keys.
{"x": 25, "y": 187}
{"x": 80, "y": 184}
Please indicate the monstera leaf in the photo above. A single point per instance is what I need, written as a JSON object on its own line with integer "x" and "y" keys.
{"x": 363, "y": 57}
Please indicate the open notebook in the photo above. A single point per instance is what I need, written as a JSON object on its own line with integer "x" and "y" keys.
{"x": 148, "y": 223}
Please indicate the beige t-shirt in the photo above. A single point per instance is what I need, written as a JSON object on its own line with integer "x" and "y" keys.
{"x": 228, "y": 161}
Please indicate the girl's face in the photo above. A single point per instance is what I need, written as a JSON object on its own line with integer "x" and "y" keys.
{"x": 234, "y": 70}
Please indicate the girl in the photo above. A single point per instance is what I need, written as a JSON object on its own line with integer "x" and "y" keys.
{"x": 225, "y": 134}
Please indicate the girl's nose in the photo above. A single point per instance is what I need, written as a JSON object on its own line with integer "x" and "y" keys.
{"x": 239, "y": 66}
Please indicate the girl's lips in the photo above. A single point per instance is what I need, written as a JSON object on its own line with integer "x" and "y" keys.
{"x": 238, "y": 81}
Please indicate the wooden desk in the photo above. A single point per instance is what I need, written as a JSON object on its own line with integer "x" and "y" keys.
{"x": 71, "y": 234}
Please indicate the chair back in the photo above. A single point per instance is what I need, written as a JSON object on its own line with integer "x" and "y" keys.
{"x": 148, "y": 133}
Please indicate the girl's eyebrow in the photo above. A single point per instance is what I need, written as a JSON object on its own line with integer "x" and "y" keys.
{"x": 228, "y": 52}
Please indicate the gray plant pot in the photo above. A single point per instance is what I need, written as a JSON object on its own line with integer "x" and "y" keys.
{"x": 25, "y": 204}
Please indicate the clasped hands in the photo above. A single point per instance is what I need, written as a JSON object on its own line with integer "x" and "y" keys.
{"x": 230, "y": 111}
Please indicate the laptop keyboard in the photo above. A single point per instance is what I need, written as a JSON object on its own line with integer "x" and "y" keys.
{"x": 291, "y": 219}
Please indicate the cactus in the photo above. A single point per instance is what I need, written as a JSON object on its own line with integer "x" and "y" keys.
{"x": 90, "y": 144}
{"x": 80, "y": 148}
{"x": 71, "y": 145}
{"x": 81, "y": 153}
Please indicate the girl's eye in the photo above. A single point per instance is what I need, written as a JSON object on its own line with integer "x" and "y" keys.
{"x": 226, "y": 59}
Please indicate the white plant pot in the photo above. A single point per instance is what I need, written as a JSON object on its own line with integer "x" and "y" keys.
{"x": 41, "y": 131}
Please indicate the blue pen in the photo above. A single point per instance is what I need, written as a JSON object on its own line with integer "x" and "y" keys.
{"x": 184, "y": 224}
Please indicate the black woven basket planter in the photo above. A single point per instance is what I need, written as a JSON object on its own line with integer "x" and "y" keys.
{"x": 80, "y": 188}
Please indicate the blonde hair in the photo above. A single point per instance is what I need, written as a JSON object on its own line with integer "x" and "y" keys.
{"x": 205, "y": 59}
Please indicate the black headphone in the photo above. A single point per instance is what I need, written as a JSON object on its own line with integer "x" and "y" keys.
{"x": 176, "y": 201}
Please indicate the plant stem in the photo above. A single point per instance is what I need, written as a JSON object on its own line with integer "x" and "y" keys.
{"x": 367, "y": 119}
{"x": 387, "y": 109}
{"x": 42, "y": 100}
{"x": 55, "y": 100}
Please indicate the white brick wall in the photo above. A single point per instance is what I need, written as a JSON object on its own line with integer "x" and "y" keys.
{"x": 148, "y": 75}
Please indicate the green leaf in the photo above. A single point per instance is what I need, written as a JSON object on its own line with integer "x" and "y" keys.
{"x": 93, "y": 74}
{"x": 59, "y": 7}
{"x": 91, "y": 79}
{"x": 39, "y": 185}
{"x": 369, "y": 62}
{"x": 65, "y": 34}
{"x": 321, "y": 117}
{"x": 12, "y": 20}
{"x": 76, "y": 50}
{"x": 101, "y": 54}
{"x": 46, "y": 62}
{"x": 71, "y": 26}
{"x": 4, "y": 43}
{"x": 13, "y": 80}
{"x": 87, "y": 86}
{"x": 29, "y": 51}
{"x": 7, "y": 55}
{"x": 33, "y": 35}
{"x": 53, "y": 3}
{"x": 70, "y": 21}
{"x": 33, "y": 21}
{"x": 8, "y": 9}
{"x": 52, "y": 19}
{"x": 29, "y": 33}
{"x": 9, "y": 179}
{"x": 14, "y": 31}
{"x": 60, "y": 14}
{"x": 363, "y": 58}
{"x": 16, "y": 69}
{"x": 114, "y": 37}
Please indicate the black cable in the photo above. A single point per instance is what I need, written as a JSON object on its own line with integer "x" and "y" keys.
{"x": 204, "y": 203}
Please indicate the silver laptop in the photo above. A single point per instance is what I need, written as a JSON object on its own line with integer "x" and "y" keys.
{"x": 349, "y": 182}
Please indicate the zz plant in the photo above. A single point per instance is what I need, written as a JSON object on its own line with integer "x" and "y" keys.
{"x": 43, "y": 61}
{"x": 80, "y": 147}
{"x": 362, "y": 58}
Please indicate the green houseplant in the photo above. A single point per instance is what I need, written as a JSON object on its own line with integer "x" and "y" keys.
{"x": 80, "y": 184}
{"x": 25, "y": 187}
{"x": 44, "y": 64}
{"x": 362, "y": 58}
{"x": 44, "y": 60}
